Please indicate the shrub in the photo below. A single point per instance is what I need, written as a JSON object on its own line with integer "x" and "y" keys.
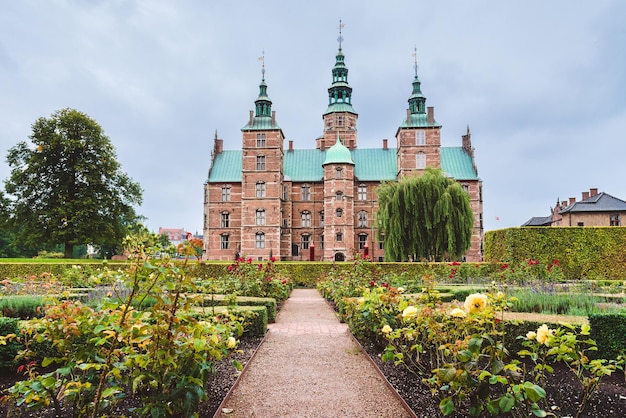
{"x": 9, "y": 328}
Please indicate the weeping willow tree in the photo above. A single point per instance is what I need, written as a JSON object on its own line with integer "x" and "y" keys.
{"x": 424, "y": 217}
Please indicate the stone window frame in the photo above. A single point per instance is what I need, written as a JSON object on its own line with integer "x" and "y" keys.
{"x": 305, "y": 241}
{"x": 260, "y": 140}
{"x": 260, "y": 188}
{"x": 306, "y": 192}
{"x": 362, "y": 191}
{"x": 260, "y": 162}
{"x": 224, "y": 241}
{"x": 305, "y": 219}
{"x": 420, "y": 160}
{"x": 225, "y": 219}
{"x": 259, "y": 217}
{"x": 259, "y": 240}
{"x": 362, "y": 240}
{"x": 226, "y": 193}
{"x": 420, "y": 137}
{"x": 362, "y": 217}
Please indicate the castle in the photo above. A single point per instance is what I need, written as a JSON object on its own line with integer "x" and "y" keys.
{"x": 265, "y": 201}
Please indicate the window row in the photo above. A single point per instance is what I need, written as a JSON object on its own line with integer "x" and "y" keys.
{"x": 305, "y": 218}
{"x": 305, "y": 243}
{"x": 261, "y": 189}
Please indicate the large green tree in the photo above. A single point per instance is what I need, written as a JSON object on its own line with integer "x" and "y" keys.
{"x": 66, "y": 187}
{"x": 424, "y": 217}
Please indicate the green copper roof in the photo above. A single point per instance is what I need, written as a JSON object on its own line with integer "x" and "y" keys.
{"x": 458, "y": 163}
{"x": 370, "y": 164}
{"x": 226, "y": 167}
{"x": 340, "y": 107}
{"x": 261, "y": 123}
{"x": 419, "y": 120}
{"x": 338, "y": 154}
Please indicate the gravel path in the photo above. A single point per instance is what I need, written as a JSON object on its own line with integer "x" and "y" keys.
{"x": 309, "y": 366}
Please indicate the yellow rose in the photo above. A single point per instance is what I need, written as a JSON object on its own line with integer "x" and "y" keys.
{"x": 531, "y": 335}
{"x": 457, "y": 313}
{"x": 232, "y": 342}
{"x": 409, "y": 312}
{"x": 401, "y": 290}
{"x": 544, "y": 334}
{"x": 476, "y": 302}
{"x": 386, "y": 329}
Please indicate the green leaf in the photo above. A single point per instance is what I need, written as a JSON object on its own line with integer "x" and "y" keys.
{"x": 474, "y": 345}
{"x": 507, "y": 402}
{"x": 446, "y": 406}
{"x": 534, "y": 392}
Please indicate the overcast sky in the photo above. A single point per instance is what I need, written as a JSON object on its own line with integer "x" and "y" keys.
{"x": 541, "y": 84}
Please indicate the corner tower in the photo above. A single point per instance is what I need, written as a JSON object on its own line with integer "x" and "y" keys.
{"x": 261, "y": 179}
{"x": 419, "y": 135}
{"x": 339, "y": 118}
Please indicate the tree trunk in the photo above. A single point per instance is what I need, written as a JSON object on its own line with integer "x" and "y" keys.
{"x": 69, "y": 250}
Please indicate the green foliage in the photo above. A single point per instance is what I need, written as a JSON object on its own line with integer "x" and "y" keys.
{"x": 162, "y": 354}
{"x": 227, "y": 300}
{"x": 68, "y": 189}
{"x": 9, "y": 347}
{"x": 583, "y": 252}
{"x": 609, "y": 332}
{"x": 424, "y": 217}
{"x": 22, "y": 306}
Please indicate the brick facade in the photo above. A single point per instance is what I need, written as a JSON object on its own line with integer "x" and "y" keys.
{"x": 265, "y": 211}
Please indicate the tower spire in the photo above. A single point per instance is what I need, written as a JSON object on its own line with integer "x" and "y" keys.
{"x": 340, "y": 38}
{"x": 417, "y": 101}
{"x": 263, "y": 102}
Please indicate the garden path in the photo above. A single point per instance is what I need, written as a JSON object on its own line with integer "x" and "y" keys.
{"x": 310, "y": 366}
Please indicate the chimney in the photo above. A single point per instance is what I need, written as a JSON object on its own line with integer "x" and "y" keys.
{"x": 585, "y": 195}
{"x": 408, "y": 117}
{"x": 251, "y": 117}
{"x": 572, "y": 200}
{"x": 219, "y": 146}
{"x": 593, "y": 192}
{"x": 385, "y": 143}
{"x": 430, "y": 115}
{"x": 322, "y": 144}
{"x": 273, "y": 117}
{"x": 290, "y": 145}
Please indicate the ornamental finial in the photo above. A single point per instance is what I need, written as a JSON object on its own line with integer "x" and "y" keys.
{"x": 262, "y": 59}
{"x": 415, "y": 66}
{"x": 340, "y": 38}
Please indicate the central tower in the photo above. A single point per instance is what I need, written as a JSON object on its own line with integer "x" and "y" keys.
{"x": 339, "y": 118}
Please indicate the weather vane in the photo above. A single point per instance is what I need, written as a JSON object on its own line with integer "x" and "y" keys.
{"x": 340, "y": 38}
{"x": 262, "y": 59}
{"x": 415, "y": 60}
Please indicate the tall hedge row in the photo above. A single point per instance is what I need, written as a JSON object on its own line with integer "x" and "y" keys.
{"x": 583, "y": 252}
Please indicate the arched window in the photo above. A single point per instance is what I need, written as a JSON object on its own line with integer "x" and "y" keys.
{"x": 338, "y": 172}
{"x": 260, "y": 189}
{"x": 260, "y": 217}
{"x": 339, "y": 195}
{"x": 339, "y": 213}
{"x": 225, "y": 193}
{"x": 259, "y": 240}
{"x": 225, "y": 219}
{"x": 420, "y": 161}
{"x": 362, "y": 192}
{"x": 362, "y": 219}
{"x": 260, "y": 162}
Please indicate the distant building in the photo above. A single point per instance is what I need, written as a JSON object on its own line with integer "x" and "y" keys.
{"x": 266, "y": 201}
{"x": 594, "y": 209}
{"x": 178, "y": 235}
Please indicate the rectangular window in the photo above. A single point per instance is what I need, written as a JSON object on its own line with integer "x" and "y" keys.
{"x": 339, "y": 120}
{"x": 225, "y": 220}
{"x": 321, "y": 242}
{"x": 260, "y": 217}
{"x": 581, "y": 224}
{"x": 420, "y": 161}
{"x": 465, "y": 187}
{"x": 224, "y": 242}
{"x": 260, "y": 162}
{"x": 285, "y": 192}
{"x": 339, "y": 195}
{"x": 260, "y": 189}
{"x": 306, "y": 219}
{"x": 225, "y": 194}
{"x": 259, "y": 241}
{"x": 322, "y": 218}
{"x": 615, "y": 221}
{"x": 338, "y": 173}
{"x": 362, "y": 219}
{"x": 339, "y": 237}
{"x": 306, "y": 192}
{"x": 305, "y": 242}
{"x": 362, "y": 241}
{"x": 260, "y": 140}
{"x": 362, "y": 192}
{"x": 420, "y": 137}
{"x": 381, "y": 246}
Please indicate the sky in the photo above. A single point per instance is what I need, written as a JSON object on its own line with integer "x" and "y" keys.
{"x": 541, "y": 85}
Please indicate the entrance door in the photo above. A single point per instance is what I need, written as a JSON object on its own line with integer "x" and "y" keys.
{"x": 340, "y": 257}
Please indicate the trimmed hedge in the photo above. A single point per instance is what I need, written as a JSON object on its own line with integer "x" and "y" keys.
{"x": 222, "y": 300}
{"x": 583, "y": 252}
{"x": 609, "y": 332}
{"x": 257, "y": 317}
